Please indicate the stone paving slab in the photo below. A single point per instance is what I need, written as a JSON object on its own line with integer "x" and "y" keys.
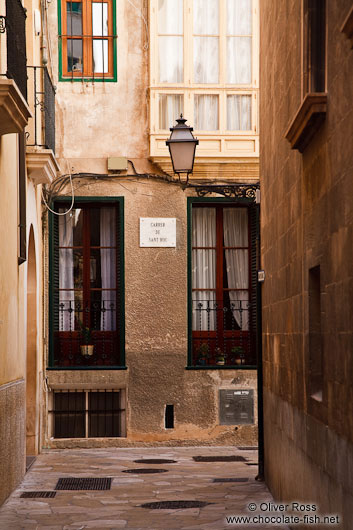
{"x": 120, "y": 507}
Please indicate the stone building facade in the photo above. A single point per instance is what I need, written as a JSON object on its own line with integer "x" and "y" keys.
{"x": 159, "y": 322}
{"x": 26, "y": 162}
{"x": 307, "y": 232}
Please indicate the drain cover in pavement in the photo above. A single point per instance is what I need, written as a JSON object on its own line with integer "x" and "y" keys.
{"x": 71, "y": 483}
{"x": 155, "y": 461}
{"x": 174, "y": 505}
{"x": 230, "y": 480}
{"x": 232, "y": 458}
{"x": 145, "y": 470}
{"x": 36, "y": 494}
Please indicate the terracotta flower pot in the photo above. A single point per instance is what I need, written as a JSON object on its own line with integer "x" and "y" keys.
{"x": 87, "y": 350}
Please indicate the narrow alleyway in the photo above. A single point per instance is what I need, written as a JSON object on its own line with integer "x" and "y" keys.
{"x": 224, "y": 488}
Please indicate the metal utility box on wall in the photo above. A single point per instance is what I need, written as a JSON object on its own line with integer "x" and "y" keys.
{"x": 236, "y": 407}
{"x": 117, "y": 163}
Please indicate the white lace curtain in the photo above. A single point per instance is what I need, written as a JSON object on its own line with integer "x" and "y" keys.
{"x": 108, "y": 268}
{"x": 203, "y": 268}
{"x": 170, "y": 41}
{"x": 67, "y": 307}
{"x": 235, "y": 233}
{"x": 235, "y": 230}
{"x": 66, "y": 270}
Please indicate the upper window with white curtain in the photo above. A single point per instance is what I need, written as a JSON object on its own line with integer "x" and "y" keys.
{"x": 170, "y": 41}
{"x": 207, "y": 50}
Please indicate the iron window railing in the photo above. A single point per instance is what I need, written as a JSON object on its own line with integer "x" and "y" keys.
{"x": 42, "y": 94}
{"x": 87, "y": 414}
{"x": 16, "y": 44}
{"x": 77, "y": 343}
{"x": 222, "y": 334}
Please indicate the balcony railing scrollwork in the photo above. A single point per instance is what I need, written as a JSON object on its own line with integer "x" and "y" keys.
{"x": 222, "y": 334}
{"x": 79, "y": 325}
{"x": 42, "y": 100}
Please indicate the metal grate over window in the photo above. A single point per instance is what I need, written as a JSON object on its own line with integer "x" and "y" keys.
{"x": 87, "y": 414}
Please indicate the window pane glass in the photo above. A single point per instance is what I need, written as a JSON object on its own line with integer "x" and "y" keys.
{"x": 203, "y": 269}
{"x": 204, "y": 227}
{"x": 206, "y": 112}
{"x": 74, "y": 18}
{"x": 74, "y": 55}
{"x": 99, "y": 19}
{"x": 204, "y": 309}
{"x": 102, "y": 227}
{"x": 100, "y": 56}
{"x": 239, "y": 60}
{"x": 103, "y": 268}
{"x": 170, "y": 108}
{"x": 206, "y": 17}
{"x": 238, "y": 113}
{"x": 70, "y": 228}
{"x": 70, "y": 268}
{"x": 235, "y": 227}
{"x": 103, "y": 310}
{"x": 239, "y": 17}
{"x": 237, "y": 267}
{"x": 206, "y": 60}
{"x": 170, "y": 17}
{"x": 170, "y": 59}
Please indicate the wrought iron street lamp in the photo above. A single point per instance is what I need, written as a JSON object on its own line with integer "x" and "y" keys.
{"x": 182, "y": 146}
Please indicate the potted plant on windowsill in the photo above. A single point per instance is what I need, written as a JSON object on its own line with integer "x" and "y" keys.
{"x": 203, "y": 354}
{"x": 87, "y": 348}
{"x": 220, "y": 357}
{"x": 237, "y": 355}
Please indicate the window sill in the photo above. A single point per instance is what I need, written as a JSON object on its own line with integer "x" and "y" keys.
{"x": 97, "y": 368}
{"x": 14, "y": 111}
{"x": 308, "y": 119}
{"x": 222, "y": 367}
{"x": 347, "y": 26}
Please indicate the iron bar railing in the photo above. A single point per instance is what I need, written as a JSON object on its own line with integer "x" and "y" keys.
{"x": 87, "y": 414}
{"x": 16, "y": 44}
{"x": 222, "y": 334}
{"x": 86, "y": 334}
{"x": 42, "y": 95}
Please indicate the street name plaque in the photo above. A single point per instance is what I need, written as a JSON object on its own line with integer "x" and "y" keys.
{"x": 157, "y": 232}
{"x": 236, "y": 407}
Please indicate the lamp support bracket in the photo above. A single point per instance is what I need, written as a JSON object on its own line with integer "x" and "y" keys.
{"x": 237, "y": 191}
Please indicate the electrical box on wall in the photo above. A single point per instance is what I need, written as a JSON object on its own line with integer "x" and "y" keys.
{"x": 236, "y": 407}
{"x": 117, "y": 163}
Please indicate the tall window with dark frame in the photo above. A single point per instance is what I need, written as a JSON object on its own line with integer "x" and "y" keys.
{"x": 222, "y": 323}
{"x": 87, "y": 38}
{"x": 314, "y": 48}
{"x": 86, "y": 288}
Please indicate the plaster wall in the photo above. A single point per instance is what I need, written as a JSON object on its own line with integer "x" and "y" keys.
{"x": 96, "y": 120}
{"x": 115, "y": 113}
{"x": 306, "y": 221}
{"x": 156, "y": 336}
{"x": 11, "y": 315}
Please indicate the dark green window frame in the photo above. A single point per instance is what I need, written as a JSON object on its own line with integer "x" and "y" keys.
{"x": 53, "y": 272}
{"x": 254, "y": 213}
{"x": 89, "y": 78}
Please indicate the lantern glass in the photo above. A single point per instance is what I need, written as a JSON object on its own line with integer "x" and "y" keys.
{"x": 182, "y": 155}
{"x": 182, "y": 145}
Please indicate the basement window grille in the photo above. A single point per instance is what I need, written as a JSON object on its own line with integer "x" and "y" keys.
{"x": 87, "y": 414}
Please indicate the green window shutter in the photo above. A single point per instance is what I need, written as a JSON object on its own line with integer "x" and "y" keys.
{"x": 254, "y": 265}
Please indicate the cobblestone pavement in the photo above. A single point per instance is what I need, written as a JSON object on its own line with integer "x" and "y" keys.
{"x": 120, "y": 507}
